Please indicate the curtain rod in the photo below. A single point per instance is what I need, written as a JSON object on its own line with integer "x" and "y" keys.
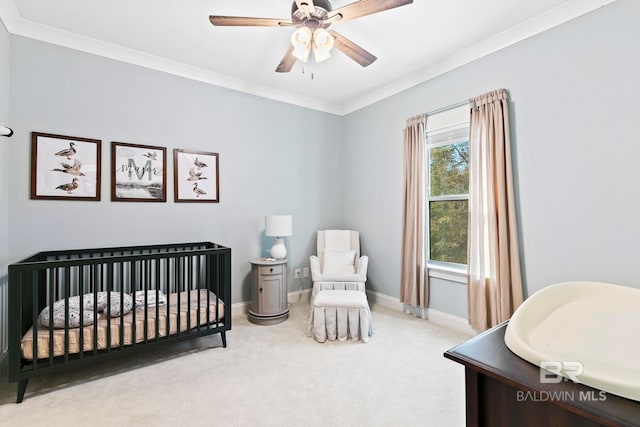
{"x": 448, "y": 107}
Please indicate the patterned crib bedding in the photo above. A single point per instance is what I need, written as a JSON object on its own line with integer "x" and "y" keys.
{"x": 191, "y": 312}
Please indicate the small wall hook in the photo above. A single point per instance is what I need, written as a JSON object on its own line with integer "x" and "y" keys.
{"x": 6, "y": 131}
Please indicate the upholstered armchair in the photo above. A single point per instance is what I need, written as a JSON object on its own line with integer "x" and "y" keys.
{"x": 338, "y": 264}
{"x": 339, "y": 305}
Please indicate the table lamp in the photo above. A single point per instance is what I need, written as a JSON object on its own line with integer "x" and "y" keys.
{"x": 278, "y": 226}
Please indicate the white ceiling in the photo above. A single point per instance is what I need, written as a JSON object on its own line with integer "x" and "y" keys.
{"x": 413, "y": 43}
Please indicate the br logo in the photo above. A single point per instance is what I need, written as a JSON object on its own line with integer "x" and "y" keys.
{"x": 552, "y": 371}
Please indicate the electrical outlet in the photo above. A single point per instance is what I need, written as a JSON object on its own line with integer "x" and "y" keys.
{"x": 297, "y": 273}
{"x": 305, "y": 272}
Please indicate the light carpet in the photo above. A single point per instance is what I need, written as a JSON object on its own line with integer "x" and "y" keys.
{"x": 267, "y": 376}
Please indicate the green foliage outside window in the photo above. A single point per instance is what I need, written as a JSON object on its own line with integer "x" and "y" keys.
{"x": 448, "y": 176}
{"x": 448, "y": 226}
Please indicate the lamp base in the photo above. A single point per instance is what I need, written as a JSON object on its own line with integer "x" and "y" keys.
{"x": 278, "y": 250}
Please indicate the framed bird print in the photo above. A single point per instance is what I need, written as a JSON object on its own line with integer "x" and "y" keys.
{"x": 138, "y": 173}
{"x": 65, "y": 167}
{"x": 195, "y": 176}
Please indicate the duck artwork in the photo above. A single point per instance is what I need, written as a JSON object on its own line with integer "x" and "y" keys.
{"x": 152, "y": 155}
{"x": 67, "y": 152}
{"x": 71, "y": 169}
{"x": 195, "y": 176}
{"x": 198, "y": 191}
{"x": 199, "y": 164}
{"x": 69, "y": 187}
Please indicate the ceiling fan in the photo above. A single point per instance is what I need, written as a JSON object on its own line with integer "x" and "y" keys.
{"x": 312, "y": 17}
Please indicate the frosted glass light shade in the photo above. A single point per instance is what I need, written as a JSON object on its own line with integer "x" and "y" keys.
{"x": 301, "y": 42}
{"x": 322, "y": 44}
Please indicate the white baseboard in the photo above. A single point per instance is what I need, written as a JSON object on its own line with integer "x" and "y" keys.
{"x": 385, "y": 301}
{"x": 242, "y": 308}
{"x": 297, "y": 296}
{"x": 456, "y": 323}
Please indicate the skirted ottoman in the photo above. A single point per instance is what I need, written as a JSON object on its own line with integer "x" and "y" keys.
{"x": 340, "y": 314}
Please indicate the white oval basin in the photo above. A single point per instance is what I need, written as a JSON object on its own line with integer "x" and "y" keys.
{"x": 595, "y": 324}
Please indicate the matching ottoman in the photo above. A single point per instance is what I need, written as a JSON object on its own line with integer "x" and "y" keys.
{"x": 340, "y": 314}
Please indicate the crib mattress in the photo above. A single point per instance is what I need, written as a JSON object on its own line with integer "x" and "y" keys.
{"x": 187, "y": 311}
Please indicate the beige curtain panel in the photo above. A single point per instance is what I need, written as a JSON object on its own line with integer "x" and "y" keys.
{"x": 495, "y": 281}
{"x": 414, "y": 284}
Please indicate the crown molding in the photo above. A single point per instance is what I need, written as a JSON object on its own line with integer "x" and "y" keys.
{"x": 16, "y": 25}
{"x": 529, "y": 28}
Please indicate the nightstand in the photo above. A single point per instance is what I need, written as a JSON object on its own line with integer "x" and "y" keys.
{"x": 269, "y": 304}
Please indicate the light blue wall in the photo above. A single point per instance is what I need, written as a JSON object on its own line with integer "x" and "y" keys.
{"x": 5, "y": 118}
{"x": 274, "y": 158}
{"x": 574, "y": 111}
{"x": 574, "y": 103}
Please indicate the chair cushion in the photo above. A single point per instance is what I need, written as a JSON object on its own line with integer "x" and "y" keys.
{"x": 338, "y": 315}
{"x": 339, "y": 240}
{"x": 339, "y": 262}
{"x": 348, "y": 299}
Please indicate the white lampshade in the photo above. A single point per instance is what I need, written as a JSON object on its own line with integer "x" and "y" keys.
{"x": 278, "y": 226}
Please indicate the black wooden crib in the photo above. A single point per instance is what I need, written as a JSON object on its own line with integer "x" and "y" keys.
{"x": 73, "y": 308}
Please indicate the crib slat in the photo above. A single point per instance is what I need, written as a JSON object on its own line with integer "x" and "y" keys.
{"x": 207, "y": 286}
{"x": 94, "y": 288}
{"x": 53, "y": 286}
{"x": 178, "y": 289}
{"x": 122, "y": 290}
{"x": 35, "y": 310}
{"x": 134, "y": 288}
{"x": 67, "y": 291}
{"x": 146, "y": 306}
{"x": 81, "y": 294}
{"x": 198, "y": 286}
{"x": 188, "y": 286}
{"x": 168, "y": 292}
{"x": 156, "y": 286}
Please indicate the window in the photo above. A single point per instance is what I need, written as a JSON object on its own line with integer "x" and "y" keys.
{"x": 448, "y": 187}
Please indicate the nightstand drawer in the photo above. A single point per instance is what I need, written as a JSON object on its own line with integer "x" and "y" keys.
{"x": 270, "y": 269}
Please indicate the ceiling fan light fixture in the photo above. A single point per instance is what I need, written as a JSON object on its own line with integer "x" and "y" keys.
{"x": 301, "y": 42}
{"x": 322, "y": 44}
{"x": 310, "y": 15}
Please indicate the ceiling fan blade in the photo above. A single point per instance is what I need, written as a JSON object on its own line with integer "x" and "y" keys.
{"x": 352, "y": 50}
{"x": 287, "y": 62}
{"x": 366, "y": 7}
{"x": 242, "y": 21}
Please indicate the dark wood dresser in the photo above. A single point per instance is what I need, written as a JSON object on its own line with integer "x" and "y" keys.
{"x": 504, "y": 390}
